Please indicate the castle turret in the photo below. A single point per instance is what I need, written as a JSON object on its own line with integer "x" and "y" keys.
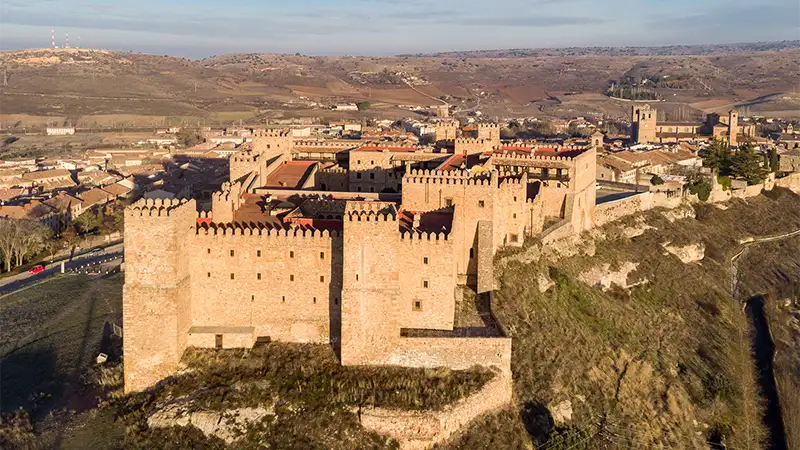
{"x": 156, "y": 309}
{"x": 370, "y": 281}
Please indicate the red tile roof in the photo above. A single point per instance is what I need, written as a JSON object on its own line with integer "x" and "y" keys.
{"x": 290, "y": 174}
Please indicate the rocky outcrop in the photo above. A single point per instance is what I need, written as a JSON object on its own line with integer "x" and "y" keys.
{"x": 683, "y": 211}
{"x": 226, "y": 425}
{"x": 603, "y": 277}
{"x": 686, "y": 253}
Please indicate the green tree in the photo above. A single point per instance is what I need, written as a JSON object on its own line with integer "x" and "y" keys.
{"x": 747, "y": 164}
{"x": 656, "y": 180}
{"x": 774, "y": 162}
{"x": 717, "y": 157}
{"x": 702, "y": 188}
{"x": 362, "y": 106}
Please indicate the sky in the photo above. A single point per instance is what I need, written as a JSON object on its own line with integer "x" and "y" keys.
{"x": 200, "y": 28}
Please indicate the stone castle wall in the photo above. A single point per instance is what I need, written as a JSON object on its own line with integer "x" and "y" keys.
{"x": 282, "y": 283}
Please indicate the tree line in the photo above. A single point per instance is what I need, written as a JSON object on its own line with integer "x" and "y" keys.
{"x": 22, "y": 238}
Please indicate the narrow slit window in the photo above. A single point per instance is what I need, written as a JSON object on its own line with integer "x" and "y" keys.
{"x": 232, "y": 276}
{"x": 258, "y": 275}
{"x": 231, "y": 252}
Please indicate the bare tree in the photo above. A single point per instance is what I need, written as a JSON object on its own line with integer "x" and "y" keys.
{"x": 30, "y": 239}
{"x": 9, "y": 232}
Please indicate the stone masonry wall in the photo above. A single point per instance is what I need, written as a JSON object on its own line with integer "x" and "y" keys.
{"x": 157, "y": 289}
{"x": 284, "y": 284}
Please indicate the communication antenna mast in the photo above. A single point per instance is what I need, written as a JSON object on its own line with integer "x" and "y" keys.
{"x": 79, "y": 42}
{"x": 66, "y": 40}
{"x": 53, "y": 35}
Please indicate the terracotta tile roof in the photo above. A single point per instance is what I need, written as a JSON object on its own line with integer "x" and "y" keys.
{"x": 291, "y": 174}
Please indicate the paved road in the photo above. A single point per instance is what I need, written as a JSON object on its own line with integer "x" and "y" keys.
{"x": 15, "y": 282}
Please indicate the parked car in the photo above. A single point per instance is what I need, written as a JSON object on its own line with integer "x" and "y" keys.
{"x": 36, "y": 269}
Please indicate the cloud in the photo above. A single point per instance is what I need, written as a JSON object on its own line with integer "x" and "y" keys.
{"x": 391, "y": 26}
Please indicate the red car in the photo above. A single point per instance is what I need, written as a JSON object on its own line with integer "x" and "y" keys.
{"x": 37, "y": 269}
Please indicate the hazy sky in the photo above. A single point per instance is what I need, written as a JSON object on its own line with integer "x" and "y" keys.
{"x": 197, "y": 28}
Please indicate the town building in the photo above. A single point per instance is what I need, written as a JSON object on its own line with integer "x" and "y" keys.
{"x": 646, "y": 129}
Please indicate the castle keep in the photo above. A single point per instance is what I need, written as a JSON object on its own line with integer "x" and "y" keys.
{"x": 366, "y": 248}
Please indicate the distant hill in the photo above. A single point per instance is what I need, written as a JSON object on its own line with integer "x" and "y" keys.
{"x": 668, "y": 50}
{"x": 99, "y": 88}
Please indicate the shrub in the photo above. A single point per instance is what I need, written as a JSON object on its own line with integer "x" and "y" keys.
{"x": 656, "y": 180}
{"x": 362, "y": 106}
{"x": 702, "y": 189}
{"x": 725, "y": 182}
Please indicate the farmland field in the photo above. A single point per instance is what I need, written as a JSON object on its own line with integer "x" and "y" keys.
{"x": 50, "y": 334}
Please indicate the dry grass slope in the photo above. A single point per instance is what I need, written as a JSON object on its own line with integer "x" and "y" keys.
{"x": 665, "y": 364}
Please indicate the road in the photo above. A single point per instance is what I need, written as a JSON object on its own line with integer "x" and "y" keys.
{"x": 19, "y": 281}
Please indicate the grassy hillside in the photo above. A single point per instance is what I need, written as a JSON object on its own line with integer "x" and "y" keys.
{"x": 664, "y": 364}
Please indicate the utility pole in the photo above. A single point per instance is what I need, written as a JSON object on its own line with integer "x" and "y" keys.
{"x": 5, "y": 77}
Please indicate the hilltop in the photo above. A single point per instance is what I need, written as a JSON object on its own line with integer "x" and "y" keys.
{"x": 105, "y": 88}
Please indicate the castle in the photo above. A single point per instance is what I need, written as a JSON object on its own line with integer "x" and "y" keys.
{"x": 646, "y": 129}
{"x": 367, "y": 249}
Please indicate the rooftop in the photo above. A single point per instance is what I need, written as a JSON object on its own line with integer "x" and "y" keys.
{"x": 291, "y": 174}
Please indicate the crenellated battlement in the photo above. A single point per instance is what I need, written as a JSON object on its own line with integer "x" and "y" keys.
{"x": 362, "y": 211}
{"x": 155, "y": 207}
{"x": 532, "y": 157}
{"x": 425, "y": 176}
{"x": 470, "y": 141}
{"x": 272, "y": 133}
{"x": 246, "y": 156}
{"x": 325, "y": 144}
{"x": 489, "y": 125}
{"x": 424, "y": 236}
{"x": 236, "y": 229}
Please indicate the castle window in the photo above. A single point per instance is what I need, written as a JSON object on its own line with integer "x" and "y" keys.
{"x": 321, "y": 255}
{"x": 358, "y": 175}
{"x": 336, "y": 300}
{"x": 471, "y": 253}
{"x": 372, "y": 176}
{"x": 208, "y": 250}
{"x": 417, "y": 306}
{"x": 252, "y": 298}
{"x": 358, "y": 161}
{"x": 481, "y": 203}
{"x": 425, "y": 260}
{"x": 231, "y": 252}
{"x": 356, "y": 277}
{"x": 372, "y": 163}
{"x": 209, "y": 274}
{"x": 258, "y": 253}
{"x": 217, "y": 341}
{"x": 515, "y": 198}
{"x": 283, "y": 299}
{"x": 448, "y": 202}
{"x": 322, "y": 278}
{"x": 231, "y": 276}
{"x": 291, "y": 254}
{"x": 359, "y": 190}
{"x": 315, "y": 300}
{"x": 258, "y": 275}
{"x": 268, "y": 145}
{"x": 514, "y": 238}
{"x": 425, "y": 284}
{"x": 515, "y": 215}
{"x": 291, "y": 277}
{"x": 371, "y": 189}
